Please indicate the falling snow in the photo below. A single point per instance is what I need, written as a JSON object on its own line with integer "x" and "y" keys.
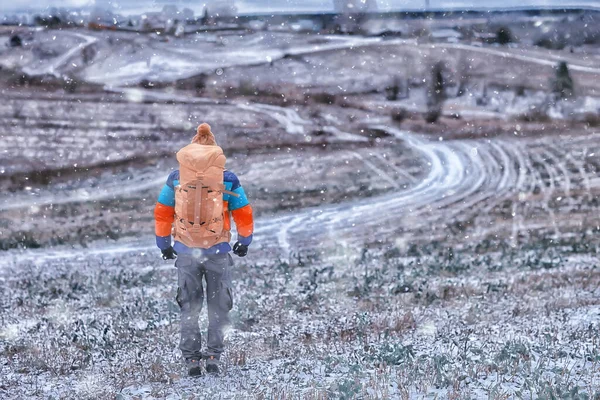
{"x": 424, "y": 185}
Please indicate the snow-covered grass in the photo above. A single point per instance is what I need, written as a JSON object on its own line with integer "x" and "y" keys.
{"x": 419, "y": 321}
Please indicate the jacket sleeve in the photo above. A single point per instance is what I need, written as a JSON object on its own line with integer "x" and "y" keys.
{"x": 164, "y": 214}
{"x": 241, "y": 211}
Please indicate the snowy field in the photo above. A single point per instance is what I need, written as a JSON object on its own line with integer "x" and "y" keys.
{"x": 420, "y": 321}
{"x": 393, "y": 258}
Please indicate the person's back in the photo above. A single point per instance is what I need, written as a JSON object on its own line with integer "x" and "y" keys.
{"x": 199, "y": 199}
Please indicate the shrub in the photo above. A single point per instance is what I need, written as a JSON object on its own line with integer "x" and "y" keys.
{"x": 20, "y": 240}
{"x": 51, "y": 21}
{"x": 70, "y": 85}
{"x": 247, "y": 88}
{"x": 348, "y": 389}
{"x": 399, "y": 114}
{"x": 592, "y": 119}
{"x": 556, "y": 42}
{"x": 15, "y": 41}
{"x": 535, "y": 114}
{"x": 392, "y": 91}
{"x": 146, "y": 84}
{"x": 433, "y": 114}
{"x": 504, "y": 36}
{"x": 324, "y": 98}
{"x": 563, "y": 86}
{"x": 200, "y": 83}
{"x": 395, "y": 354}
{"x": 513, "y": 352}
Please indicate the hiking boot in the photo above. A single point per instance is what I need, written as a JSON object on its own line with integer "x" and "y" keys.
{"x": 193, "y": 366}
{"x": 213, "y": 365}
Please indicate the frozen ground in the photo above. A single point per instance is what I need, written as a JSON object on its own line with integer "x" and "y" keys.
{"x": 481, "y": 321}
{"x": 393, "y": 259}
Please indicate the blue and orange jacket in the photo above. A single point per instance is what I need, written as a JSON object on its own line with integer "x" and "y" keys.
{"x": 237, "y": 207}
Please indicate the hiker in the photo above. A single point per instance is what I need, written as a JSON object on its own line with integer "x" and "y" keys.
{"x": 198, "y": 200}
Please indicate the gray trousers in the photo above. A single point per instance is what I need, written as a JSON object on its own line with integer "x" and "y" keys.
{"x": 216, "y": 271}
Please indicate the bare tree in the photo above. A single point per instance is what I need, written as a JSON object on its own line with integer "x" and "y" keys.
{"x": 88, "y": 54}
{"x": 205, "y": 17}
{"x": 464, "y": 76}
{"x": 392, "y": 90}
{"x": 397, "y": 89}
{"x": 483, "y": 99}
{"x": 436, "y": 93}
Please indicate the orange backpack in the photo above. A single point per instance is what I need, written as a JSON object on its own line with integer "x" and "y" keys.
{"x": 199, "y": 197}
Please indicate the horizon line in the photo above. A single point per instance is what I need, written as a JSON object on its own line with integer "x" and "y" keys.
{"x": 573, "y": 7}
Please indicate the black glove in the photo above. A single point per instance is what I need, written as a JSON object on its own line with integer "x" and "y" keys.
{"x": 240, "y": 250}
{"x": 169, "y": 254}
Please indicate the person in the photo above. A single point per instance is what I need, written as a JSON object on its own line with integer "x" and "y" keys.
{"x": 198, "y": 199}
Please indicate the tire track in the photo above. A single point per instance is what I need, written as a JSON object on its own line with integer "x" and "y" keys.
{"x": 378, "y": 171}
{"x": 548, "y": 189}
{"x": 565, "y": 177}
{"x": 457, "y": 173}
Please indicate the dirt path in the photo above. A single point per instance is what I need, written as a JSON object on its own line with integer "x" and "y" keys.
{"x": 551, "y": 62}
{"x": 52, "y": 67}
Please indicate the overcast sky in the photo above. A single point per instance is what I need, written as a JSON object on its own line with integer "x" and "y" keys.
{"x": 253, "y": 6}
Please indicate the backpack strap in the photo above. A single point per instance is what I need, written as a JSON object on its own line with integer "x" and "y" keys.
{"x": 200, "y": 176}
{"x": 231, "y": 193}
